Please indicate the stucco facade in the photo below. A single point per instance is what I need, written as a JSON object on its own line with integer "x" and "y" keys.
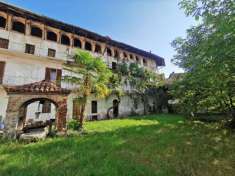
{"x": 30, "y": 44}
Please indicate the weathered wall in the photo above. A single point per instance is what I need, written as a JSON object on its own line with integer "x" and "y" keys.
{"x": 3, "y": 102}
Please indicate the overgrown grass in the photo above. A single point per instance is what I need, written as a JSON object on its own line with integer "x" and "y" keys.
{"x": 162, "y": 145}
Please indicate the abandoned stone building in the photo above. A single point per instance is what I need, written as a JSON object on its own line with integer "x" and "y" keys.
{"x": 33, "y": 49}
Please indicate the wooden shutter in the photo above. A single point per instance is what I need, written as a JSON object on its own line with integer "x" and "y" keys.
{"x": 48, "y": 74}
{"x": 46, "y": 108}
{"x": 2, "y": 68}
{"x": 58, "y": 77}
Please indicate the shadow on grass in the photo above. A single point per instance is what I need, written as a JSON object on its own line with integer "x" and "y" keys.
{"x": 154, "y": 149}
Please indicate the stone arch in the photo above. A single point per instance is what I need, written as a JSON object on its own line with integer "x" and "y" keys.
{"x": 21, "y": 96}
{"x": 65, "y": 40}
{"x": 18, "y": 26}
{"x": 36, "y": 31}
{"x": 109, "y": 52}
{"x": 77, "y": 43}
{"x": 88, "y": 46}
{"x": 52, "y": 36}
{"x": 3, "y": 22}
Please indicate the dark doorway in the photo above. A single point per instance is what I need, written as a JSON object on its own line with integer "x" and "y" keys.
{"x": 115, "y": 108}
{"x": 94, "y": 110}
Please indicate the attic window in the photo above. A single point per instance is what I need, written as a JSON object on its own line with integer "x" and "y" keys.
{"x": 77, "y": 43}
{"x": 2, "y": 22}
{"x": 98, "y": 48}
{"x": 18, "y": 26}
{"x": 65, "y": 40}
{"x": 88, "y": 46}
{"x": 109, "y": 52}
{"x": 51, "y": 36}
{"x": 36, "y": 32}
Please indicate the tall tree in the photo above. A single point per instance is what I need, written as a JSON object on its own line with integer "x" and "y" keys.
{"x": 90, "y": 75}
{"x": 207, "y": 55}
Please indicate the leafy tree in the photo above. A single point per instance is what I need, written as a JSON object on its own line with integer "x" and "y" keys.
{"x": 207, "y": 55}
{"x": 90, "y": 75}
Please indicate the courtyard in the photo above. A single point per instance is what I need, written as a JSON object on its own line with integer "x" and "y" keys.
{"x": 162, "y": 145}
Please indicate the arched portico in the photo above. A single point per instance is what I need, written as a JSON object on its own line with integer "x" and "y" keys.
{"x": 21, "y": 96}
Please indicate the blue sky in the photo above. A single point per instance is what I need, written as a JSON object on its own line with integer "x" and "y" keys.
{"x": 146, "y": 24}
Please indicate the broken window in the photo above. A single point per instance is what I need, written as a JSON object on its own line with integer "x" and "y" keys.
{"x": 77, "y": 43}
{"x": 18, "y": 26}
{"x": 109, "y": 52}
{"x": 65, "y": 40}
{"x": 4, "y": 43}
{"x": 51, "y": 36}
{"x": 30, "y": 49}
{"x": 3, "y": 22}
{"x": 36, "y": 32}
{"x": 88, "y": 46}
{"x": 98, "y": 48}
{"x": 2, "y": 68}
{"x": 51, "y": 52}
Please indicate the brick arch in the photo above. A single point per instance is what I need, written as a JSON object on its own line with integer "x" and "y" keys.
{"x": 21, "y": 96}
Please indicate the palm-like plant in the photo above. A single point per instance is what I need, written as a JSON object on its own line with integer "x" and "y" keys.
{"x": 90, "y": 76}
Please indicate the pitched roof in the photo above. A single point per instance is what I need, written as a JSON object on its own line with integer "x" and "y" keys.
{"x": 44, "y": 86}
{"x": 77, "y": 30}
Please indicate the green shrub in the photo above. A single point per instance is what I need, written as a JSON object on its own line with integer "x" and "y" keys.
{"x": 73, "y": 125}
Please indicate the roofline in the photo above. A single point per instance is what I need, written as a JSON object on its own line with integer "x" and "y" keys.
{"x": 77, "y": 30}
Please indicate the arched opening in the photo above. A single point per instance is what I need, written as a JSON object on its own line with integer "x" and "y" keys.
{"x": 116, "y": 54}
{"x": 137, "y": 59}
{"x": 145, "y": 62}
{"x": 3, "y": 22}
{"x": 36, "y": 32}
{"x": 88, "y": 46}
{"x": 37, "y": 114}
{"x": 98, "y": 48}
{"x": 131, "y": 56}
{"x": 51, "y": 36}
{"x": 18, "y": 26}
{"x": 77, "y": 43}
{"x": 115, "y": 108}
{"x": 109, "y": 52}
{"x": 65, "y": 40}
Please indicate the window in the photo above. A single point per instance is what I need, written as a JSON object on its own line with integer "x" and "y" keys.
{"x": 88, "y": 46}
{"x": 36, "y": 32}
{"x": 65, "y": 40}
{"x": 109, "y": 52}
{"x": 137, "y": 59}
{"x": 116, "y": 54}
{"x": 18, "y": 26}
{"x": 51, "y": 52}
{"x": 125, "y": 55}
{"x": 114, "y": 66}
{"x": 4, "y": 43}
{"x": 98, "y": 48}
{"x": 2, "y": 68}
{"x": 53, "y": 75}
{"x": 29, "y": 49}
{"x": 94, "y": 110}
{"x": 77, "y": 43}
{"x": 145, "y": 62}
{"x": 2, "y": 22}
{"x": 51, "y": 36}
{"x": 131, "y": 56}
{"x": 46, "y": 107}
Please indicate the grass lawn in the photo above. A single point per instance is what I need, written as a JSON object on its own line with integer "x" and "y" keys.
{"x": 163, "y": 145}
